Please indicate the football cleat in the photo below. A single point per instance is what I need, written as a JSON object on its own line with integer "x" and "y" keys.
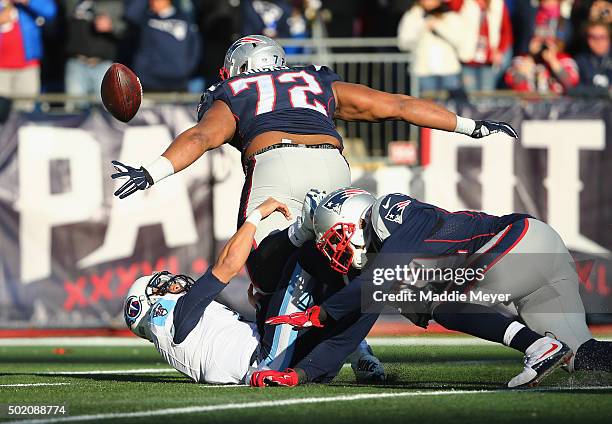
{"x": 541, "y": 359}
{"x": 368, "y": 369}
{"x": 366, "y": 366}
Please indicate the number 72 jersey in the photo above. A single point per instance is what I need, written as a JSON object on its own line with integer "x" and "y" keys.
{"x": 296, "y": 100}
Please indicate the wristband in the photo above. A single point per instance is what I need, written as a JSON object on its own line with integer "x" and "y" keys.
{"x": 254, "y": 217}
{"x": 160, "y": 168}
{"x": 465, "y": 125}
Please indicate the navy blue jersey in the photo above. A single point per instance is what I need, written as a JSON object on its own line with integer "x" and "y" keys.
{"x": 419, "y": 230}
{"x": 445, "y": 233}
{"x": 296, "y": 100}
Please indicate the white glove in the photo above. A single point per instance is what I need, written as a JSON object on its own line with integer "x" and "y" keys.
{"x": 302, "y": 229}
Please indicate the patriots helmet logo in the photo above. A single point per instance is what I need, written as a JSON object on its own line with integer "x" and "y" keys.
{"x": 335, "y": 202}
{"x": 241, "y": 42}
{"x": 396, "y": 211}
{"x": 132, "y": 310}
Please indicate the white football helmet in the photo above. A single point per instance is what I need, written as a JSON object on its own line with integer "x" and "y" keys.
{"x": 339, "y": 224}
{"x": 251, "y": 52}
{"x": 143, "y": 294}
{"x": 136, "y": 308}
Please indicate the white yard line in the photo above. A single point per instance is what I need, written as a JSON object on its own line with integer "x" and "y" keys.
{"x": 98, "y": 372}
{"x": 222, "y": 386}
{"x": 251, "y": 405}
{"x": 428, "y": 341}
{"x": 133, "y": 341}
{"x": 129, "y": 341}
{"x": 75, "y": 341}
{"x": 34, "y": 384}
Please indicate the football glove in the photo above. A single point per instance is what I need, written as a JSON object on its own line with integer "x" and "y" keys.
{"x": 485, "y": 128}
{"x": 268, "y": 378}
{"x": 302, "y": 229}
{"x": 299, "y": 320}
{"x": 138, "y": 179}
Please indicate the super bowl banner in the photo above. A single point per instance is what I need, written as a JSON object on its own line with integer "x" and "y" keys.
{"x": 70, "y": 249}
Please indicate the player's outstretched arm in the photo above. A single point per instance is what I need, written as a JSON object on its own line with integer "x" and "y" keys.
{"x": 215, "y": 128}
{"x": 356, "y": 102}
{"x": 234, "y": 254}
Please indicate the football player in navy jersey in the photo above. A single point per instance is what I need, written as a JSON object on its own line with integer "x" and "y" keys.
{"x": 281, "y": 119}
{"x": 522, "y": 261}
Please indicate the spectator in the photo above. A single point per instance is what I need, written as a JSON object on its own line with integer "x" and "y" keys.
{"x": 544, "y": 70}
{"x": 219, "y": 26}
{"x": 584, "y": 11}
{"x": 595, "y": 65}
{"x": 94, "y": 28}
{"x": 432, "y": 32}
{"x": 550, "y": 23}
{"x": 21, "y": 45}
{"x": 168, "y": 47}
{"x": 343, "y": 18}
{"x": 270, "y": 18}
{"x": 487, "y": 39}
{"x": 601, "y": 10}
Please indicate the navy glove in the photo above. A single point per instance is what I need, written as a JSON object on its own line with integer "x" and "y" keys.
{"x": 485, "y": 128}
{"x": 138, "y": 179}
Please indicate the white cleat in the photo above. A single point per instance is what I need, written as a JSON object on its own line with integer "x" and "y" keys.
{"x": 541, "y": 359}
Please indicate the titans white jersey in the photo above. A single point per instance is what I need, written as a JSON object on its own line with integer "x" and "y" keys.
{"x": 217, "y": 350}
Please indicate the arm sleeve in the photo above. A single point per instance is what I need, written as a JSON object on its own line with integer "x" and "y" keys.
{"x": 189, "y": 308}
{"x": 569, "y": 75}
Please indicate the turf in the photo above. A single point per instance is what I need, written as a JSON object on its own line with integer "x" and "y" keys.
{"x": 417, "y": 390}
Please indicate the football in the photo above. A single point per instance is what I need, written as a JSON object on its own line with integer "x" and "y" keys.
{"x": 121, "y": 92}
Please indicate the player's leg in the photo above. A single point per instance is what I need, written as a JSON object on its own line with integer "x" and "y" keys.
{"x": 556, "y": 308}
{"x": 543, "y": 354}
{"x": 326, "y": 349}
{"x": 334, "y": 175}
{"x": 287, "y": 174}
{"x": 520, "y": 261}
{"x": 294, "y": 293}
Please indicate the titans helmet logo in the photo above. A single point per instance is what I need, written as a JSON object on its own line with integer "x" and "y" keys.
{"x": 132, "y": 309}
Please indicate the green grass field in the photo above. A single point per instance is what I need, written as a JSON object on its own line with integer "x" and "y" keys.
{"x": 455, "y": 383}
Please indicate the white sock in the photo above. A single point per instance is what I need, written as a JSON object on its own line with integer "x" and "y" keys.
{"x": 512, "y": 331}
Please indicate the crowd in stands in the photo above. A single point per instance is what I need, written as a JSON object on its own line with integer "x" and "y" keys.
{"x": 542, "y": 46}
{"x": 538, "y": 46}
